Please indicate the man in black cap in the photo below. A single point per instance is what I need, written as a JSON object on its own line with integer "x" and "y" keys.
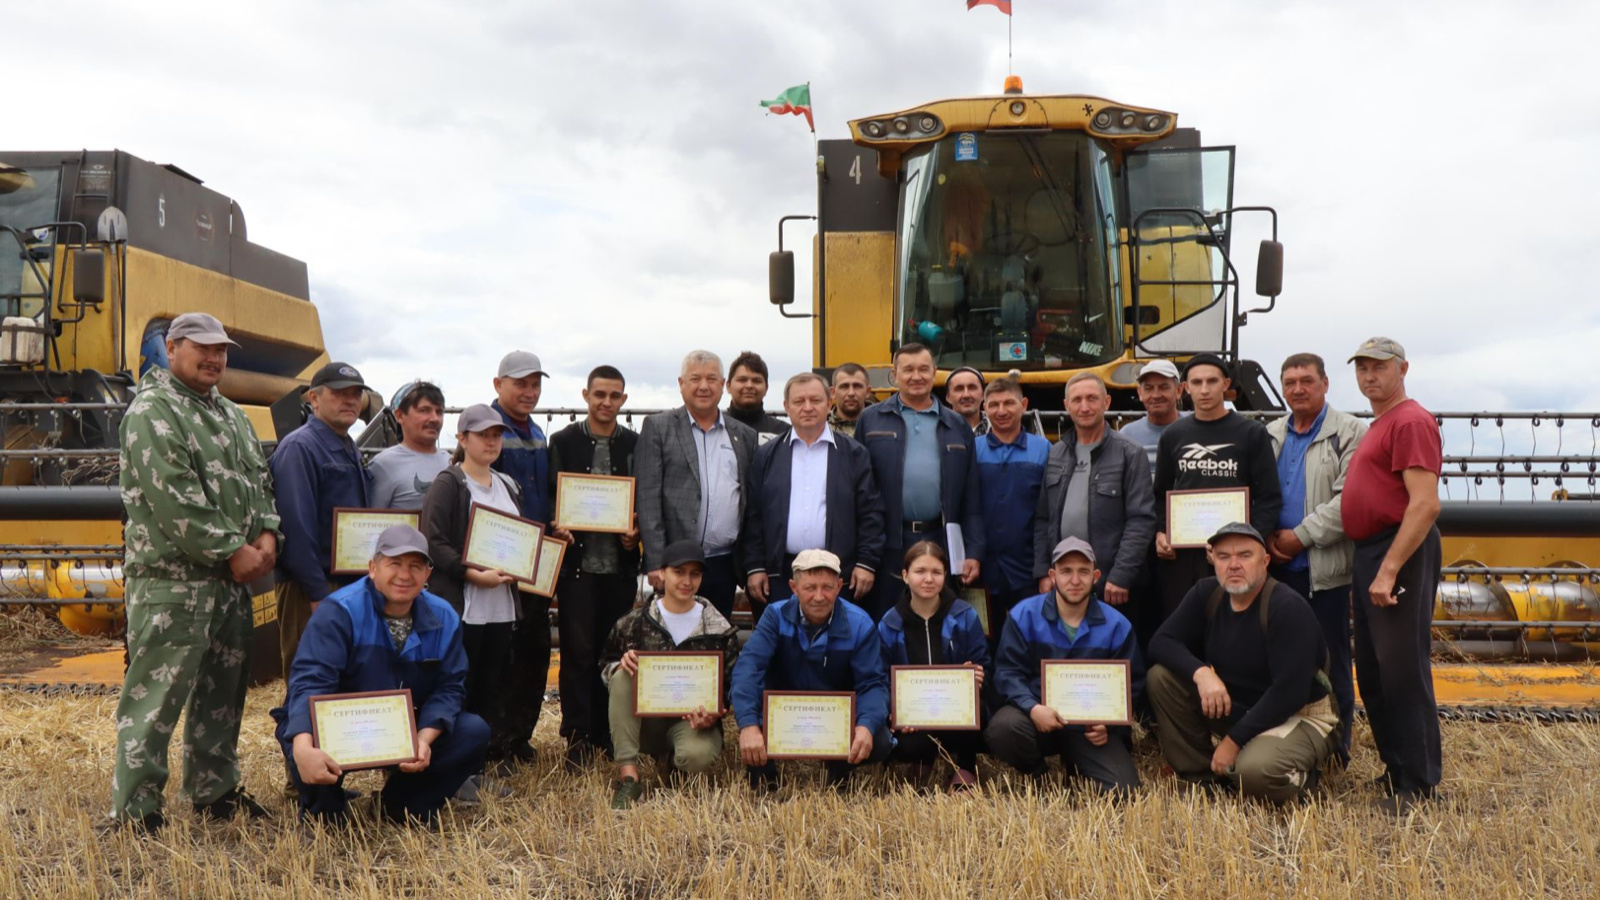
{"x": 1213, "y": 449}
{"x": 316, "y": 469}
{"x": 383, "y": 633}
{"x": 1241, "y": 659}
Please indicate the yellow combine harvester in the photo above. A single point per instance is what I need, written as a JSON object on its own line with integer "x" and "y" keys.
{"x": 1050, "y": 235}
{"x": 98, "y": 252}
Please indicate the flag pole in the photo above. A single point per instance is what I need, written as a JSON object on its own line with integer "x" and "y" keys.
{"x": 1011, "y": 68}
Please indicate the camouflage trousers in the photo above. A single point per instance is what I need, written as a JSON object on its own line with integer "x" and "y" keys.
{"x": 187, "y": 648}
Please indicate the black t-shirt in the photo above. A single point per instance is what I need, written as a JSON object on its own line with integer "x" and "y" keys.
{"x": 1269, "y": 676}
{"x": 1232, "y": 451}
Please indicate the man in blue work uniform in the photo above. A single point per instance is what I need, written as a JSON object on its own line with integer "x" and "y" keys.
{"x": 525, "y": 456}
{"x": 1011, "y": 469}
{"x": 925, "y": 467}
{"x": 315, "y": 470}
{"x": 813, "y": 641}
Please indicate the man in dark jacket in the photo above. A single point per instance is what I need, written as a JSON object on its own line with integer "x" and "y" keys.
{"x": 1068, "y": 622}
{"x": 811, "y": 488}
{"x": 1011, "y": 466}
{"x": 1240, "y": 661}
{"x": 316, "y": 469}
{"x": 600, "y": 572}
{"x": 384, "y": 633}
{"x": 1097, "y": 489}
{"x": 814, "y": 641}
{"x": 676, "y": 621}
{"x": 926, "y": 469}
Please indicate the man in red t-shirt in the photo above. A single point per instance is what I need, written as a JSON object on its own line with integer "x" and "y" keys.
{"x": 1391, "y": 500}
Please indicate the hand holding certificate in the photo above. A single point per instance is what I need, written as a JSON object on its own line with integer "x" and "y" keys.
{"x": 809, "y": 724}
{"x": 594, "y": 503}
{"x": 355, "y": 534}
{"x": 1194, "y": 516}
{"x": 677, "y": 684}
{"x": 366, "y": 730}
{"x": 935, "y": 698}
{"x": 506, "y": 543}
{"x": 551, "y": 553}
{"x": 1088, "y": 692}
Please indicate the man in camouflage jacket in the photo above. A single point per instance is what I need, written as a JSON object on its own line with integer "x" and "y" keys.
{"x": 201, "y": 526}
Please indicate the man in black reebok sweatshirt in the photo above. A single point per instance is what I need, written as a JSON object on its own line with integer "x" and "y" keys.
{"x": 1214, "y": 448}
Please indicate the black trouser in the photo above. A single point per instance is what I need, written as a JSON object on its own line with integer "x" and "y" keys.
{"x": 1178, "y": 576}
{"x": 590, "y": 605}
{"x": 1144, "y": 607}
{"x": 456, "y": 755}
{"x": 1014, "y": 740}
{"x": 720, "y": 583}
{"x": 527, "y": 674}
{"x": 488, "y": 649}
{"x": 1000, "y": 604}
{"x": 1332, "y": 607}
{"x": 1393, "y": 664}
{"x": 932, "y": 746}
{"x": 887, "y": 589}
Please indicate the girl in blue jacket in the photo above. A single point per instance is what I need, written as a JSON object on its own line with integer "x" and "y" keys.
{"x": 930, "y": 626}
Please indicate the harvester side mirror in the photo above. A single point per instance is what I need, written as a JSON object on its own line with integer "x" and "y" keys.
{"x": 1269, "y": 269}
{"x": 780, "y": 277}
{"x": 89, "y": 276}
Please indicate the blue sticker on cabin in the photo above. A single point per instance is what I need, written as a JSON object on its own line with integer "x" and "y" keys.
{"x": 966, "y": 147}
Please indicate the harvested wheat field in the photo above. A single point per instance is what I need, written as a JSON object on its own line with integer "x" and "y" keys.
{"x": 1516, "y": 821}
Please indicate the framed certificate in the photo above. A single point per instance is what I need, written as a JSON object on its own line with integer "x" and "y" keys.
{"x": 551, "y": 552}
{"x": 1194, "y": 516}
{"x": 594, "y": 502}
{"x": 366, "y": 730}
{"x": 355, "y": 534}
{"x": 978, "y": 599}
{"x": 935, "y": 698}
{"x": 808, "y": 724}
{"x": 676, "y": 683}
{"x": 509, "y": 543}
{"x": 1088, "y": 691}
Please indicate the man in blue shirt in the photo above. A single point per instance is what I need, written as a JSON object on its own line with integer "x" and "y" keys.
{"x": 1069, "y": 622}
{"x": 316, "y": 469}
{"x": 1011, "y": 469}
{"x": 813, "y": 641}
{"x": 384, "y": 633}
{"x": 926, "y": 469}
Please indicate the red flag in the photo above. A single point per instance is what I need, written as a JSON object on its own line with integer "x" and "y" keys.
{"x": 1002, "y": 5}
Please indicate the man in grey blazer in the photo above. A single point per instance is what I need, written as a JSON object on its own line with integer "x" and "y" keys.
{"x": 690, "y": 468}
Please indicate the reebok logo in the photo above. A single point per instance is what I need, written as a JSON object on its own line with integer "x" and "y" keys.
{"x": 1202, "y": 459}
{"x": 1201, "y": 451}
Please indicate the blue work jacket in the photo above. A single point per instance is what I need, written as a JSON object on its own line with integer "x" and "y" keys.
{"x": 1011, "y": 476}
{"x": 525, "y": 456}
{"x": 314, "y": 471}
{"x": 1033, "y": 633}
{"x": 846, "y": 656}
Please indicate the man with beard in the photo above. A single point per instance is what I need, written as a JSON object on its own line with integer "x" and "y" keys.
{"x": 851, "y": 395}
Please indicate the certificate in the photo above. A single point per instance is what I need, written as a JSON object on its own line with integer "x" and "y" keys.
{"x": 1088, "y": 691}
{"x": 942, "y": 698}
{"x": 676, "y": 683}
{"x": 509, "y": 543}
{"x": 365, "y": 731}
{"x": 809, "y": 724}
{"x": 1194, "y": 516}
{"x": 551, "y": 552}
{"x": 594, "y": 502}
{"x": 978, "y": 599}
{"x": 355, "y": 534}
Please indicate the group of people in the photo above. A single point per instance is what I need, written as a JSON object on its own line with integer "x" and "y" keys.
{"x": 864, "y": 535}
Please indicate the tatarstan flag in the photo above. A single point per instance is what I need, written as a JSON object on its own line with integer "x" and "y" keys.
{"x": 795, "y": 100}
{"x": 1002, "y": 5}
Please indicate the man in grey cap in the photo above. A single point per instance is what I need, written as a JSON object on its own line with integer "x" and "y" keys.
{"x": 1241, "y": 658}
{"x": 1066, "y": 622}
{"x": 383, "y": 633}
{"x": 201, "y": 527}
{"x": 1160, "y": 390}
{"x": 316, "y": 469}
{"x": 525, "y": 456}
{"x": 1391, "y": 501}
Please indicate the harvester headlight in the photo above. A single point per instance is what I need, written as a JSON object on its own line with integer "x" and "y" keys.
{"x": 928, "y": 124}
{"x": 1102, "y": 121}
{"x": 901, "y": 125}
{"x": 1154, "y": 123}
{"x": 1018, "y": 107}
{"x": 873, "y": 129}
{"x": 1128, "y": 119}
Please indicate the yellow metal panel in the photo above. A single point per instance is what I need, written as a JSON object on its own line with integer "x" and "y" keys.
{"x": 1502, "y": 550}
{"x": 860, "y": 302}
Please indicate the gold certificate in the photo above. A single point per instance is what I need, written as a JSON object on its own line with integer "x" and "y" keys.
{"x": 1194, "y": 516}
{"x": 675, "y": 683}
{"x": 367, "y": 730}
{"x": 943, "y": 698}
{"x": 978, "y": 599}
{"x": 1088, "y": 691}
{"x": 509, "y": 543}
{"x": 355, "y": 534}
{"x": 551, "y": 552}
{"x": 594, "y": 502}
{"x": 809, "y": 724}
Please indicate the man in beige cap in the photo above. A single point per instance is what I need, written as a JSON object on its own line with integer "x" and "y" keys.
{"x": 1391, "y": 501}
{"x": 201, "y": 527}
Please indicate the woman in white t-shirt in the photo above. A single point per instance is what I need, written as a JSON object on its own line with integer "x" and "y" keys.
{"x": 486, "y": 600}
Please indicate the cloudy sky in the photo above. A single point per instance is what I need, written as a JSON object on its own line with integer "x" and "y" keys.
{"x": 594, "y": 181}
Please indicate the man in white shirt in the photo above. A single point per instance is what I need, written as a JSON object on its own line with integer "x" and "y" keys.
{"x": 402, "y": 474}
